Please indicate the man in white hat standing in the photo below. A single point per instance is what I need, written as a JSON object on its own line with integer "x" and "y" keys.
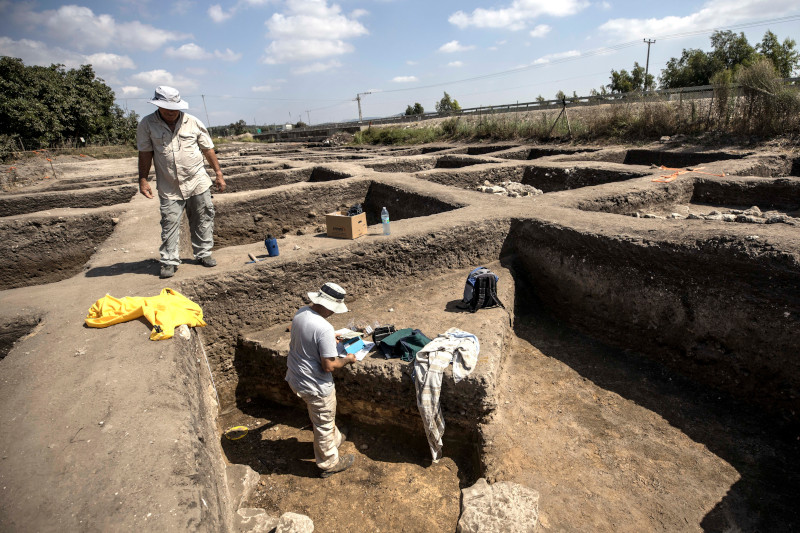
{"x": 177, "y": 142}
{"x": 312, "y": 359}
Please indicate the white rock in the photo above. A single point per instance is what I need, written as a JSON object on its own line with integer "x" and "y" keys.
{"x": 497, "y": 508}
{"x": 255, "y": 520}
{"x": 294, "y": 523}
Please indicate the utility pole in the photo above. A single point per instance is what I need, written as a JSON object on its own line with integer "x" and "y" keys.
{"x": 309, "y": 116}
{"x": 208, "y": 122}
{"x": 647, "y": 64}
{"x": 358, "y": 99}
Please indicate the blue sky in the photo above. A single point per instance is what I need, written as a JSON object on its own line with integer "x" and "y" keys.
{"x": 274, "y": 61}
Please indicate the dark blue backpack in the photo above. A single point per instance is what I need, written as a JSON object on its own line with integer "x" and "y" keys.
{"x": 480, "y": 290}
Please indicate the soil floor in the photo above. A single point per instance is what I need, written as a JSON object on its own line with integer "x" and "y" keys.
{"x": 611, "y": 441}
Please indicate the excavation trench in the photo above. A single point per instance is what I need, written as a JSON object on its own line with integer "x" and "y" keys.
{"x": 701, "y": 195}
{"x": 676, "y": 306}
{"x": 45, "y": 249}
{"x": 18, "y": 204}
{"x": 249, "y": 218}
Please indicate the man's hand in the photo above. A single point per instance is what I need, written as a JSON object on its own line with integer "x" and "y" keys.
{"x": 220, "y": 182}
{"x": 144, "y": 188}
{"x": 145, "y": 162}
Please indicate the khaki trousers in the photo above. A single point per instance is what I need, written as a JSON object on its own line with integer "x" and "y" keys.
{"x": 200, "y": 210}
{"x": 327, "y": 437}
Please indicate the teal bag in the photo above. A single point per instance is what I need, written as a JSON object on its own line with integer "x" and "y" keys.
{"x": 404, "y": 343}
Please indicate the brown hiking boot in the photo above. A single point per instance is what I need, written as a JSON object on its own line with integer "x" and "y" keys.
{"x": 343, "y": 464}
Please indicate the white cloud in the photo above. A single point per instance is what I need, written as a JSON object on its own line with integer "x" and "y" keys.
{"x": 553, "y": 57}
{"x": 455, "y": 64}
{"x": 540, "y": 30}
{"x": 404, "y": 79}
{"x": 110, "y": 62}
{"x": 263, "y": 88}
{"x": 181, "y": 7}
{"x": 605, "y": 5}
{"x": 154, "y": 78}
{"x": 517, "y": 14}
{"x": 81, "y": 28}
{"x": 38, "y": 53}
{"x": 713, "y": 14}
{"x": 310, "y": 30}
{"x": 227, "y": 55}
{"x": 192, "y": 51}
{"x": 218, "y": 15}
{"x": 358, "y": 13}
{"x": 131, "y": 91}
{"x": 299, "y": 50}
{"x": 187, "y": 51}
{"x": 316, "y": 67}
{"x": 454, "y": 46}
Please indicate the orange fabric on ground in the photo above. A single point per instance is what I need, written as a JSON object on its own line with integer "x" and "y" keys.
{"x": 165, "y": 312}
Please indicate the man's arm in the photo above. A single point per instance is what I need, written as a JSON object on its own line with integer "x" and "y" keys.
{"x": 329, "y": 365}
{"x": 212, "y": 160}
{"x": 145, "y": 162}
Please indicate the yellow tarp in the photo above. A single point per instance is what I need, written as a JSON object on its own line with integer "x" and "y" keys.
{"x": 165, "y": 312}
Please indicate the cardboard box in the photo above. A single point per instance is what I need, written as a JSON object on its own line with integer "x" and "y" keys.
{"x": 340, "y": 225}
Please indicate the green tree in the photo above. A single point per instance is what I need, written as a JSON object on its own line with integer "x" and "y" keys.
{"x": 730, "y": 51}
{"x": 560, "y": 95}
{"x": 540, "y": 99}
{"x": 447, "y": 105}
{"x": 694, "y": 67}
{"x": 621, "y": 82}
{"x": 239, "y": 127}
{"x": 625, "y": 82}
{"x": 416, "y": 109}
{"x": 43, "y": 105}
{"x": 784, "y": 57}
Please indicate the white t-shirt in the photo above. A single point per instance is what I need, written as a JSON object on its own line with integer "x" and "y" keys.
{"x": 312, "y": 339}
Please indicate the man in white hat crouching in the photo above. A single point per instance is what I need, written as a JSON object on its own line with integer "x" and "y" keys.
{"x": 177, "y": 142}
{"x": 312, "y": 358}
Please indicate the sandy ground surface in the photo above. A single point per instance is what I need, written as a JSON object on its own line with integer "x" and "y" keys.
{"x": 611, "y": 442}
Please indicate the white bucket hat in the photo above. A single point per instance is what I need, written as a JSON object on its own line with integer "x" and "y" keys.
{"x": 168, "y": 98}
{"x": 330, "y": 296}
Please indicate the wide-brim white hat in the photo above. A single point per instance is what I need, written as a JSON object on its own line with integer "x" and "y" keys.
{"x": 331, "y": 297}
{"x": 168, "y": 98}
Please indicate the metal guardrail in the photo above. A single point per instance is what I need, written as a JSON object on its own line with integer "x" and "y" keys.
{"x": 689, "y": 93}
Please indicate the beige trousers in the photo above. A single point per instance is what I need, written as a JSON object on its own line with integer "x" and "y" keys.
{"x": 327, "y": 437}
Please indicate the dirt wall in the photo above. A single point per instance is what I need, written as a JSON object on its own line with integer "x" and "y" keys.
{"x": 270, "y": 293}
{"x": 250, "y": 219}
{"x": 40, "y": 250}
{"x": 779, "y": 193}
{"x": 722, "y": 312}
{"x": 550, "y": 179}
{"x": 18, "y": 204}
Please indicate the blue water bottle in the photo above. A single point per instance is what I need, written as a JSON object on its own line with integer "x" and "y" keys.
{"x": 385, "y": 221}
{"x": 272, "y": 246}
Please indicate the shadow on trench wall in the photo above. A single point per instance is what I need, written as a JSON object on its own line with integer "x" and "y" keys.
{"x": 761, "y": 448}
